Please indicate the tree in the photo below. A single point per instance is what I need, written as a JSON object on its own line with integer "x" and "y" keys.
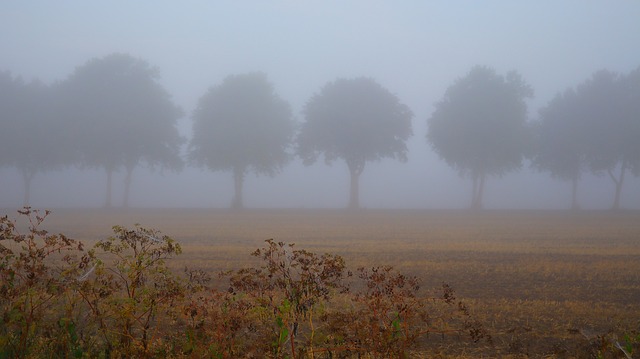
{"x": 631, "y": 118}
{"x": 561, "y": 142}
{"x": 609, "y": 104}
{"x": 32, "y": 139}
{"x": 479, "y": 127}
{"x": 242, "y": 125}
{"x": 120, "y": 115}
{"x": 355, "y": 120}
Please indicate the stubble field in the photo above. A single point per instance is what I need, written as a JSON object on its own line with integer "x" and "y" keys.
{"x": 542, "y": 283}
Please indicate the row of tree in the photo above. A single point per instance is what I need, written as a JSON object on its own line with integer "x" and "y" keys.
{"x": 593, "y": 127}
{"x": 112, "y": 113}
{"x": 481, "y": 128}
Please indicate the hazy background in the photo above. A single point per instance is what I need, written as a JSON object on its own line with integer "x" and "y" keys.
{"x": 416, "y": 49}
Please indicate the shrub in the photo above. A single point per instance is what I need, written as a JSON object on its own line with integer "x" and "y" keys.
{"x": 286, "y": 291}
{"x": 121, "y": 300}
{"x": 36, "y": 304}
{"x": 135, "y": 298}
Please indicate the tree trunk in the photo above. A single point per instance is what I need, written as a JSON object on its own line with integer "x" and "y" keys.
{"x": 618, "y": 182}
{"x": 238, "y": 181}
{"x": 574, "y": 193}
{"x": 27, "y": 176}
{"x": 107, "y": 202}
{"x": 354, "y": 191}
{"x": 479, "y": 204}
{"x": 478, "y": 190}
{"x": 474, "y": 188}
{"x": 355, "y": 170}
{"x": 127, "y": 186}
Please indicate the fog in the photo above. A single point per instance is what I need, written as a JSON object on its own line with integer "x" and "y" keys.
{"x": 415, "y": 49}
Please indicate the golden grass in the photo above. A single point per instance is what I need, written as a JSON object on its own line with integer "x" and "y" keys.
{"x": 533, "y": 277}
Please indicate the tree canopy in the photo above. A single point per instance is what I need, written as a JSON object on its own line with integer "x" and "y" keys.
{"x": 32, "y": 139}
{"x": 11, "y": 116}
{"x": 120, "y": 115}
{"x": 356, "y": 120}
{"x": 561, "y": 141}
{"x": 596, "y": 127}
{"x": 479, "y": 127}
{"x": 631, "y": 119}
{"x": 242, "y": 126}
{"x": 609, "y": 105}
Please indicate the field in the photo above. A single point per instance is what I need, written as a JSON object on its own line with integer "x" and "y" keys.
{"x": 542, "y": 283}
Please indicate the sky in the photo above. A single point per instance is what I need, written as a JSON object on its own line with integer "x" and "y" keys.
{"x": 416, "y": 49}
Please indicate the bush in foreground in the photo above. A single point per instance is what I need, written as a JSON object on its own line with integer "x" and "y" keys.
{"x": 120, "y": 299}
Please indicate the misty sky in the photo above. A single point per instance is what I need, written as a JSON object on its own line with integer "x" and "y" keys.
{"x": 416, "y": 49}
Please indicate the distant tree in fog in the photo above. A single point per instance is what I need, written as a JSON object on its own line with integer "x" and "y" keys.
{"x": 610, "y": 104}
{"x": 32, "y": 139}
{"x": 561, "y": 141}
{"x": 356, "y": 120}
{"x": 242, "y": 126}
{"x": 479, "y": 127}
{"x": 120, "y": 116}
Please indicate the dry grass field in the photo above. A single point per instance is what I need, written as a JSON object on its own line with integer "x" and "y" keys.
{"x": 543, "y": 283}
